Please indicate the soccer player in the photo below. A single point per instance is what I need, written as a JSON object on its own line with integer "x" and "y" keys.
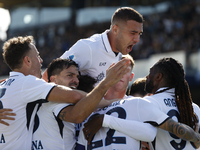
{"x": 172, "y": 97}
{"x": 118, "y": 91}
{"x": 24, "y": 86}
{"x": 96, "y": 53}
{"x": 61, "y": 117}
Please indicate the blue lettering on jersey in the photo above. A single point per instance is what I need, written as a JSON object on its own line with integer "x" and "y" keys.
{"x": 37, "y": 145}
{"x": 2, "y": 139}
{"x": 111, "y": 105}
{"x": 170, "y": 102}
{"x": 8, "y": 82}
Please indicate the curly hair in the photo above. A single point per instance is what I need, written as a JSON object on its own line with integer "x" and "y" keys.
{"x": 15, "y": 49}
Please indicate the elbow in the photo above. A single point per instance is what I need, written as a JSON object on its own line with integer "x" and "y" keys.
{"x": 151, "y": 135}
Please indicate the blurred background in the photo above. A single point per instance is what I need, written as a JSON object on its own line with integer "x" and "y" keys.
{"x": 171, "y": 29}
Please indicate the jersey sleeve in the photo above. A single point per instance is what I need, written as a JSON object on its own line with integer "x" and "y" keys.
{"x": 34, "y": 89}
{"x": 148, "y": 112}
{"x": 58, "y": 107}
{"x": 135, "y": 129}
{"x": 81, "y": 53}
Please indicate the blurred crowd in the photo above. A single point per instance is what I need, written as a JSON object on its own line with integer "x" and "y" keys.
{"x": 176, "y": 29}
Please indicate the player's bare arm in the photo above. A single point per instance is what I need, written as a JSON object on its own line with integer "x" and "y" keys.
{"x": 65, "y": 94}
{"x": 6, "y": 113}
{"x": 182, "y": 131}
{"x": 92, "y": 126}
{"x": 79, "y": 112}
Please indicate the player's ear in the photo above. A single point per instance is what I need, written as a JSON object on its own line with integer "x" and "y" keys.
{"x": 53, "y": 79}
{"x": 27, "y": 61}
{"x": 159, "y": 76}
{"x": 115, "y": 29}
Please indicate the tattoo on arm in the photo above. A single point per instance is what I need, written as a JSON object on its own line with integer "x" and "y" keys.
{"x": 62, "y": 114}
{"x": 181, "y": 130}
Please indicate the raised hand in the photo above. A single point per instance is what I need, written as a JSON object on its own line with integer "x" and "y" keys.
{"x": 115, "y": 72}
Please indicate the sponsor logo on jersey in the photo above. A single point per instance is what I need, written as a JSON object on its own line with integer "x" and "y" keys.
{"x": 100, "y": 77}
{"x": 102, "y": 63}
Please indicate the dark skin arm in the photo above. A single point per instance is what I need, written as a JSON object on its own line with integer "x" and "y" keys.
{"x": 181, "y": 130}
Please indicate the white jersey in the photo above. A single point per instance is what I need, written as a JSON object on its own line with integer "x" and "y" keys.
{"x": 93, "y": 55}
{"x": 51, "y": 132}
{"x": 18, "y": 92}
{"x": 129, "y": 109}
{"x": 165, "y": 101}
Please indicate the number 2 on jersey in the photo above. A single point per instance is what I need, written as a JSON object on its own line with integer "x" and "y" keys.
{"x": 110, "y": 134}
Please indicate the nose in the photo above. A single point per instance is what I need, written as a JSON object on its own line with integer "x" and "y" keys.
{"x": 76, "y": 80}
{"x": 136, "y": 38}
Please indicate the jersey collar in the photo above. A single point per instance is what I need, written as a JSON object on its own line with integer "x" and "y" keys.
{"x": 172, "y": 90}
{"x": 14, "y": 73}
{"x": 106, "y": 41}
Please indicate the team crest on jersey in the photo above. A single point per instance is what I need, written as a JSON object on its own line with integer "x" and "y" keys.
{"x": 71, "y": 57}
{"x": 100, "y": 77}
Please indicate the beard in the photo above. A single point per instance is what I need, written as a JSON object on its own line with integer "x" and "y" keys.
{"x": 149, "y": 86}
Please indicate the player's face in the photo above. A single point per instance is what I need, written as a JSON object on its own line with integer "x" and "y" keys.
{"x": 68, "y": 77}
{"x": 123, "y": 83}
{"x": 36, "y": 61}
{"x": 150, "y": 85}
{"x": 128, "y": 35}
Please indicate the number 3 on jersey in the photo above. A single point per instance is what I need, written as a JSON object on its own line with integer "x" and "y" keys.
{"x": 110, "y": 134}
{"x": 181, "y": 145}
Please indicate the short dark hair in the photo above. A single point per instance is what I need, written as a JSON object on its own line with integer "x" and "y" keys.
{"x": 15, "y": 49}
{"x": 125, "y": 14}
{"x": 57, "y": 65}
{"x": 138, "y": 87}
{"x": 86, "y": 83}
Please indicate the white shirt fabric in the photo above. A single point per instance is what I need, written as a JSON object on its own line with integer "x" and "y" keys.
{"x": 52, "y": 132}
{"x": 165, "y": 101}
{"x": 129, "y": 109}
{"x": 93, "y": 55}
{"x": 17, "y": 92}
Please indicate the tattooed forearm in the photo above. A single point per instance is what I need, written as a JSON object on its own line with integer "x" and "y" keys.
{"x": 181, "y": 130}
